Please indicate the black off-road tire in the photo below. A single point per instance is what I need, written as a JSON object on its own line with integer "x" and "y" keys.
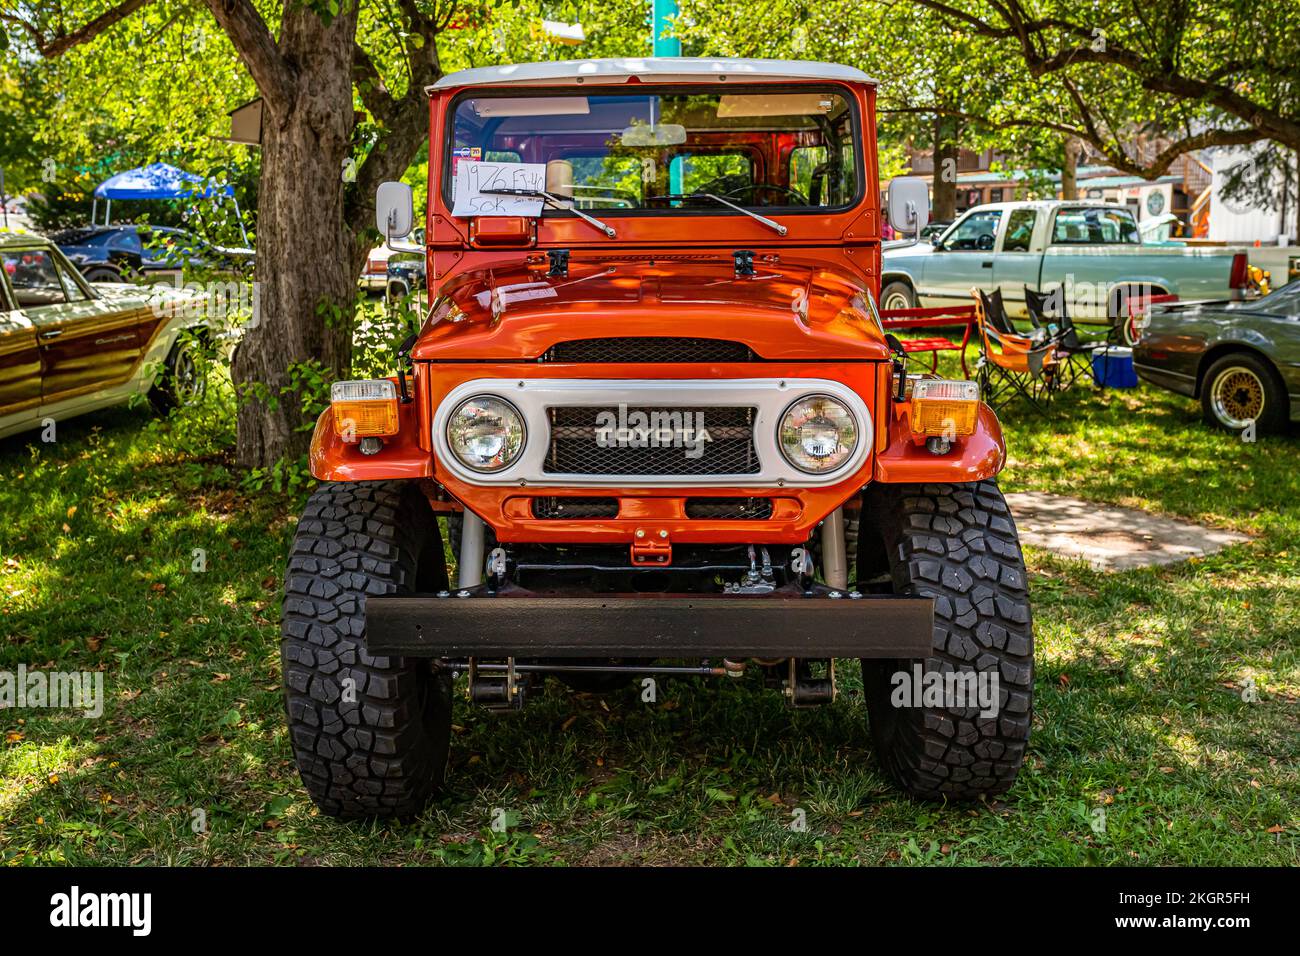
{"x": 958, "y": 545}
{"x": 370, "y": 734}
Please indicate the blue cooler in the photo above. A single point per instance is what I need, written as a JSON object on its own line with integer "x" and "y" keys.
{"x": 1112, "y": 367}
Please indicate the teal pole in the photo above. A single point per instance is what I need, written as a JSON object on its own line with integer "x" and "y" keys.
{"x": 661, "y": 16}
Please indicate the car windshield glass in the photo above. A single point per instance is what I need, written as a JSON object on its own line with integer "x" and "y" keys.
{"x": 773, "y": 148}
{"x": 1095, "y": 227}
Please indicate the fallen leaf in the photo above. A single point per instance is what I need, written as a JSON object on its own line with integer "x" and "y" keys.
{"x": 1064, "y": 680}
{"x": 568, "y": 723}
{"x": 1275, "y": 828}
{"x": 66, "y": 529}
{"x": 158, "y": 586}
{"x": 72, "y": 511}
{"x": 94, "y": 643}
{"x": 1166, "y": 769}
{"x": 13, "y": 737}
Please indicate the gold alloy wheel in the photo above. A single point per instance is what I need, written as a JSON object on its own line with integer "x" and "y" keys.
{"x": 1237, "y": 396}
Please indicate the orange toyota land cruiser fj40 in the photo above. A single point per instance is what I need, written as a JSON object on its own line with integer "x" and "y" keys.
{"x": 654, "y": 403}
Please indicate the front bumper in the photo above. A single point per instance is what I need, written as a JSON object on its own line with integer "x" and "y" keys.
{"x": 788, "y": 622}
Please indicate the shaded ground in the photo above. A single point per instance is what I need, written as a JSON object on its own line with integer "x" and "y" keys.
{"x": 1167, "y": 699}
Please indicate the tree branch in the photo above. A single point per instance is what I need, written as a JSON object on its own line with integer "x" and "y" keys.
{"x": 62, "y": 41}
{"x": 257, "y": 48}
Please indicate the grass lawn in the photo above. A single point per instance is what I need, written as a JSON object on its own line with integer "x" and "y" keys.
{"x": 1139, "y": 721}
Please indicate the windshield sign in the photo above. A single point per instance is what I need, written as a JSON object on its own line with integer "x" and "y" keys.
{"x": 623, "y": 153}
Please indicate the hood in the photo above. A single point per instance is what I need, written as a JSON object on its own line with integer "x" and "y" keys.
{"x": 788, "y": 309}
{"x": 906, "y": 247}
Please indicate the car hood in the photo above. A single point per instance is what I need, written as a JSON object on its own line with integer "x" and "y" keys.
{"x": 788, "y": 309}
{"x": 898, "y": 249}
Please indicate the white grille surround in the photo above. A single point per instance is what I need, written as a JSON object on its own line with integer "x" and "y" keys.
{"x": 769, "y": 397}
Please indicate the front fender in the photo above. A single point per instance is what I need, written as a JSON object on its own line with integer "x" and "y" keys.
{"x": 976, "y": 457}
{"x": 401, "y": 457}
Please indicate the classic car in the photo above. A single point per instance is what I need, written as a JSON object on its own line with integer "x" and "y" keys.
{"x": 406, "y": 274}
{"x": 68, "y": 347}
{"x": 120, "y": 253}
{"x": 1093, "y": 250}
{"x": 1242, "y": 360}
{"x": 651, "y": 394}
{"x": 374, "y": 274}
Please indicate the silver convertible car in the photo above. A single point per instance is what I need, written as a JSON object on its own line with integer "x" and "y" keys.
{"x": 1242, "y": 360}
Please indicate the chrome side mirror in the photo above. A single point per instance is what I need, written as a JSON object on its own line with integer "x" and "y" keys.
{"x": 394, "y": 210}
{"x": 909, "y": 204}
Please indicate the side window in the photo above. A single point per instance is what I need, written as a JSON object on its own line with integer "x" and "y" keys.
{"x": 1020, "y": 227}
{"x": 70, "y": 287}
{"x": 808, "y": 173}
{"x": 1094, "y": 227}
{"x": 129, "y": 240}
{"x": 35, "y": 278}
{"x": 974, "y": 233}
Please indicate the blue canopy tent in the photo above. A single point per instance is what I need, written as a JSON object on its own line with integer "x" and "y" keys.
{"x": 159, "y": 181}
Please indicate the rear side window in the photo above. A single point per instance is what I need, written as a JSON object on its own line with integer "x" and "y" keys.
{"x": 129, "y": 240}
{"x": 1103, "y": 227}
{"x": 1020, "y": 229}
{"x": 36, "y": 279}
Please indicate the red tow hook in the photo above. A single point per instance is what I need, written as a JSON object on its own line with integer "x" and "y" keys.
{"x": 651, "y": 548}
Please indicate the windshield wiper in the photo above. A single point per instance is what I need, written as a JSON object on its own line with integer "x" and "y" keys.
{"x": 559, "y": 203}
{"x": 770, "y": 223}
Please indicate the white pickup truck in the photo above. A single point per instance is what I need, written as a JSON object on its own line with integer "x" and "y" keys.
{"x": 1092, "y": 249}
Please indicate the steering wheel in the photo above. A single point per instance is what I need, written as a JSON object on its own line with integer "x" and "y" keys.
{"x": 752, "y": 194}
{"x": 985, "y": 241}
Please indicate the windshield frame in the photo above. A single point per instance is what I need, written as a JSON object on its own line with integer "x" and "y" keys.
{"x": 844, "y": 91}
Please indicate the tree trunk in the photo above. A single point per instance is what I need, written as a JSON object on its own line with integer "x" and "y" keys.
{"x": 1070, "y": 169}
{"x": 305, "y": 252}
{"x": 946, "y": 134}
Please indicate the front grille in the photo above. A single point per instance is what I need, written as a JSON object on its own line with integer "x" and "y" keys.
{"x": 649, "y": 350}
{"x": 729, "y": 509}
{"x": 576, "y": 442}
{"x": 558, "y": 509}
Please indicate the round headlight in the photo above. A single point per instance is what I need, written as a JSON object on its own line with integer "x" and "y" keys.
{"x": 486, "y": 433}
{"x": 817, "y": 434}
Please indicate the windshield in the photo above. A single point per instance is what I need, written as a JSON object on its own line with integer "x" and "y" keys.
{"x": 785, "y": 149}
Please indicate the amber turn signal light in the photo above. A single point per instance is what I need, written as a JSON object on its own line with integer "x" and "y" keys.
{"x": 364, "y": 409}
{"x": 944, "y": 408}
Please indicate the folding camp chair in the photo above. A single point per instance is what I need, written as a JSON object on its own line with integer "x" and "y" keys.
{"x": 1001, "y": 322}
{"x": 1013, "y": 365}
{"x": 1047, "y": 310}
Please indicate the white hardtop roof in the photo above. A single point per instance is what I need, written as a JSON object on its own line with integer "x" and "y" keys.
{"x": 667, "y": 69}
{"x": 1048, "y": 204}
